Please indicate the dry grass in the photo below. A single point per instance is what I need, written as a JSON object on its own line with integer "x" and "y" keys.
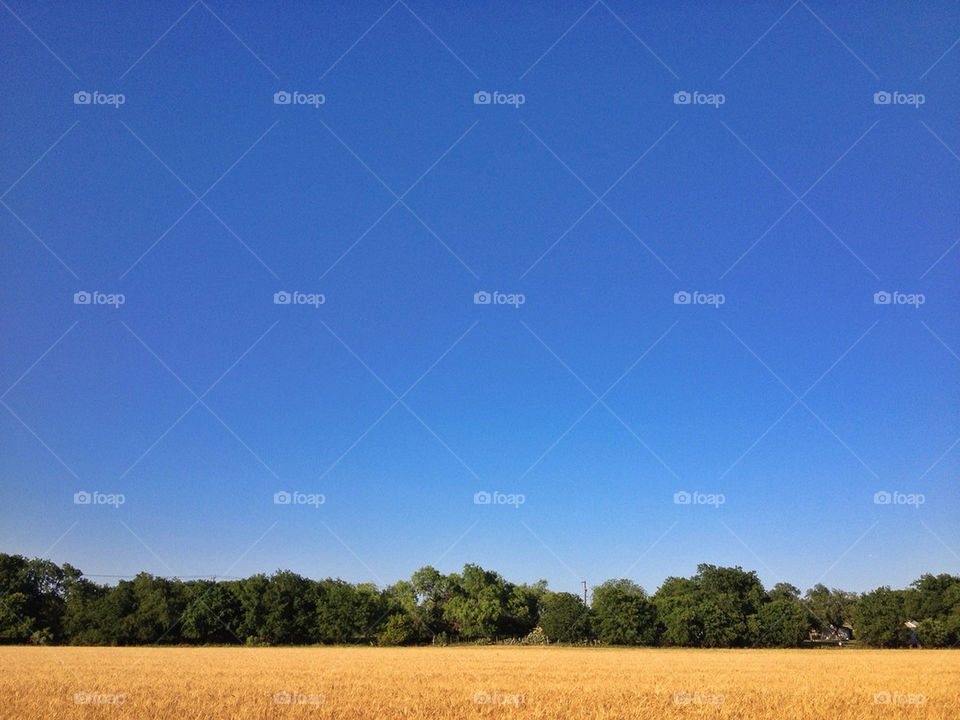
{"x": 201, "y": 683}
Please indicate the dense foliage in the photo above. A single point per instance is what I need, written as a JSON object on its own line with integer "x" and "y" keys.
{"x": 41, "y": 603}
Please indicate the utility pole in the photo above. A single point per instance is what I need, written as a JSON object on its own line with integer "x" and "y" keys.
{"x": 584, "y": 591}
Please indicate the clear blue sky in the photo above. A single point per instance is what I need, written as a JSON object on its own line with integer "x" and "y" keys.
{"x": 399, "y": 198}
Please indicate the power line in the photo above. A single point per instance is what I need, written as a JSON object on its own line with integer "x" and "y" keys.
{"x": 168, "y": 577}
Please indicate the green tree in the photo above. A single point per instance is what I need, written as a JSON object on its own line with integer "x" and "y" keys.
{"x": 15, "y": 626}
{"x": 157, "y": 606}
{"x": 251, "y": 592}
{"x": 477, "y": 604}
{"x": 213, "y": 613}
{"x": 678, "y": 619}
{"x": 783, "y": 622}
{"x": 402, "y": 598}
{"x": 523, "y": 605}
{"x": 622, "y": 614}
{"x": 564, "y": 618}
{"x": 832, "y": 609}
{"x": 932, "y": 632}
{"x": 717, "y": 607}
{"x": 83, "y": 614}
{"x": 32, "y": 598}
{"x": 784, "y": 591}
{"x": 348, "y": 614}
{"x": 932, "y": 596}
{"x": 291, "y": 603}
{"x": 399, "y": 629}
{"x": 879, "y": 617}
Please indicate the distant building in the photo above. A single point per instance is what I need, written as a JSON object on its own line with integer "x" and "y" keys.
{"x": 912, "y": 640}
{"x": 844, "y": 633}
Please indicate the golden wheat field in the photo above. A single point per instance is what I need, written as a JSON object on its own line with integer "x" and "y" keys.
{"x": 43, "y": 683}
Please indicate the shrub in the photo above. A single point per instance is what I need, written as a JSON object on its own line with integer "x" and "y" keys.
{"x": 397, "y": 630}
{"x": 535, "y": 637}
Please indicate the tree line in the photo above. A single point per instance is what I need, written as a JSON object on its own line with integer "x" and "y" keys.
{"x": 719, "y": 607}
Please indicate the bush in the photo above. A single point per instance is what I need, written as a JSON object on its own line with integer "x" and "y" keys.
{"x": 397, "y": 630}
{"x": 41, "y": 637}
{"x": 535, "y": 637}
{"x": 90, "y": 637}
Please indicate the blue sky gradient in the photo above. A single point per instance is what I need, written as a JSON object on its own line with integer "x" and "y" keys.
{"x": 398, "y": 199}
